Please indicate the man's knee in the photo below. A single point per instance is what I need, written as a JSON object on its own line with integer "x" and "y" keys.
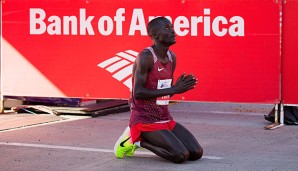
{"x": 181, "y": 157}
{"x": 196, "y": 154}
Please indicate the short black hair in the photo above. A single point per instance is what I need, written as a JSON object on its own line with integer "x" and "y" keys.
{"x": 154, "y": 24}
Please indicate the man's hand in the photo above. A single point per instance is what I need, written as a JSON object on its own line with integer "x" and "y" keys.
{"x": 185, "y": 83}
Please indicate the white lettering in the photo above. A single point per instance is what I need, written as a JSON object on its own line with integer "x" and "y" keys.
{"x": 37, "y": 25}
{"x": 237, "y": 29}
{"x": 85, "y": 24}
{"x": 194, "y": 25}
{"x": 204, "y": 25}
{"x": 119, "y": 18}
{"x": 206, "y": 22}
{"x": 109, "y": 24}
{"x": 137, "y": 23}
{"x": 216, "y": 27}
{"x": 70, "y": 20}
{"x": 180, "y": 23}
{"x": 55, "y": 26}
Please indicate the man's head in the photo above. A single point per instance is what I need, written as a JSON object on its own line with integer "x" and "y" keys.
{"x": 160, "y": 30}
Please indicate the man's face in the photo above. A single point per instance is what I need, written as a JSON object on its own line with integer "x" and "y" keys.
{"x": 166, "y": 34}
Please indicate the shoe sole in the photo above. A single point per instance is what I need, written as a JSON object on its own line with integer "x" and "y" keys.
{"x": 127, "y": 129}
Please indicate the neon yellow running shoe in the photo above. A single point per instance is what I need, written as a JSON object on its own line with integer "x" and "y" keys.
{"x": 123, "y": 144}
{"x": 132, "y": 151}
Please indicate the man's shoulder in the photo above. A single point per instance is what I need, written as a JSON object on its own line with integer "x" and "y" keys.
{"x": 145, "y": 54}
{"x": 172, "y": 53}
{"x": 146, "y": 51}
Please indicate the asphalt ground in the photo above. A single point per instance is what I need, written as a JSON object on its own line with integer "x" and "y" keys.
{"x": 232, "y": 135}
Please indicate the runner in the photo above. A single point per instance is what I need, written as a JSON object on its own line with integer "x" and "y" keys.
{"x": 151, "y": 125}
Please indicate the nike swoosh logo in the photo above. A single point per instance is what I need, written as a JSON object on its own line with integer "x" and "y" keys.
{"x": 159, "y": 69}
{"x": 122, "y": 143}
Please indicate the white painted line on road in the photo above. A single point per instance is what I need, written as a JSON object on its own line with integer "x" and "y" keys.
{"x": 85, "y": 149}
{"x": 218, "y": 112}
{"x": 212, "y": 157}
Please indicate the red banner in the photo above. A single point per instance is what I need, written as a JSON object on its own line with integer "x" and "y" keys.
{"x": 86, "y": 48}
{"x": 289, "y": 54}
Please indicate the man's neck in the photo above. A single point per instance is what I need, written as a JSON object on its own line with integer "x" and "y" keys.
{"x": 160, "y": 51}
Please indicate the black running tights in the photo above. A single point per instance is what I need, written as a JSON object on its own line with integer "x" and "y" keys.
{"x": 177, "y": 145}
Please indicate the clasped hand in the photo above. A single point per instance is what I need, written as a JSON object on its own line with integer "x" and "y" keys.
{"x": 185, "y": 83}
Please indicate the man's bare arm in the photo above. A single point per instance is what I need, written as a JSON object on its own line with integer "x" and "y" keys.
{"x": 144, "y": 64}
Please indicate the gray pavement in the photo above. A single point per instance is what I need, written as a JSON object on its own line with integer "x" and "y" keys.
{"x": 232, "y": 135}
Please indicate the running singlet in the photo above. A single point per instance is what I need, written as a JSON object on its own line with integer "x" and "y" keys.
{"x": 150, "y": 111}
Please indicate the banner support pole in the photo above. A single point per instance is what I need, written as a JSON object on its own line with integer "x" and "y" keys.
{"x": 1, "y": 62}
{"x": 278, "y": 117}
{"x": 279, "y": 107}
